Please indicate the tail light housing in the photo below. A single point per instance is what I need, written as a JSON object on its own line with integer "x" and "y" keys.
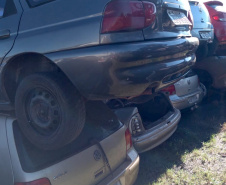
{"x": 43, "y": 181}
{"x": 122, "y": 15}
{"x": 128, "y": 138}
{"x": 170, "y": 90}
{"x": 220, "y": 18}
{"x": 135, "y": 125}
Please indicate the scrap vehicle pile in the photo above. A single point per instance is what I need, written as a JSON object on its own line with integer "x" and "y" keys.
{"x": 92, "y": 84}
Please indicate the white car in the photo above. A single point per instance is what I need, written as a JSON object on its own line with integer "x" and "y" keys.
{"x": 186, "y": 93}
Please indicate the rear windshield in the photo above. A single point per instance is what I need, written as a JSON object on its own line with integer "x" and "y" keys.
{"x": 97, "y": 127}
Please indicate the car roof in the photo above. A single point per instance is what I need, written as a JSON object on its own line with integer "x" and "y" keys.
{"x": 214, "y": 3}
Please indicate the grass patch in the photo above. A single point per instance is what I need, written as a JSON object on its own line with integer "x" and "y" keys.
{"x": 201, "y": 166}
{"x": 195, "y": 154}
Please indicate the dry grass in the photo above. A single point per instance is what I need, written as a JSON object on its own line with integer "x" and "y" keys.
{"x": 206, "y": 165}
{"x": 195, "y": 154}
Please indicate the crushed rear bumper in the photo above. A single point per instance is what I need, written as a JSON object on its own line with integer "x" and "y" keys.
{"x": 127, "y": 69}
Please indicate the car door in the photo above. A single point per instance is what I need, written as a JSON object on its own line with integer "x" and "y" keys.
{"x": 10, "y": 13}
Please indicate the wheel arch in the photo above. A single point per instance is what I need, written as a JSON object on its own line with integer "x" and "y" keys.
{"x": 204, "y": 76}
{"x": 22, "y": 65}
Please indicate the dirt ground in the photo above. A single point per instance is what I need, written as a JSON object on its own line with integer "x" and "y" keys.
{"x": 195, "y": 154}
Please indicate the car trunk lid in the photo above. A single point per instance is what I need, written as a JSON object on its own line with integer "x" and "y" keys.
{"x": 187, "y": 85}
{"x": 172, "y": 9}
{"x": 203, "y": 20}
{"x": 172, "y": 20}
{"x": 93, "y": 164}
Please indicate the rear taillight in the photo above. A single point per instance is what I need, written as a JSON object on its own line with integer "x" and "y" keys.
{"x": 220, "y": 18}
{"x": 191, "y": 19}
{"x": 128, "y": 138}
{"x": 122, "y": 15}
{"x": 150, "y": 13}
{"x": 136, "y": 125}
{"x": 43, "y": 181}
{"x": 170, "y": 90}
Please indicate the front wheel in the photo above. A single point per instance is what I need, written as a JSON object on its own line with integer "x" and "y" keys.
{"x": 49, "y": 110}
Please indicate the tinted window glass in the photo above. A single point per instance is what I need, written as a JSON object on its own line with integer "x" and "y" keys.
{"x": 10, "y": 8}
{"x": 1, "y": 12}
{"x": 2, "y": 6}
{"x": 33, "y": 3}
{"x": 97, "y": 127}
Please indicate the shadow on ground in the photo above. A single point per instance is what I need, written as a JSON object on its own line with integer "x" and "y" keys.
{"x": 194, "y": 128}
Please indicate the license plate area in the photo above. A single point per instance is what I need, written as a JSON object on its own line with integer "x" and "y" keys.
{"x": 205, "y": 35}
{"x": 178, "y": 18}
{"x": 117, "y": 183}
{"x": 193, "y": 99}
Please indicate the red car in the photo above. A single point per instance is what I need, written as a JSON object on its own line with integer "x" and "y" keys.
{"x": 218, "y": 18}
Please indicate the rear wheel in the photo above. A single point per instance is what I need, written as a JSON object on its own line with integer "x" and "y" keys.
{"x": 205, "y": 78}
{"x": 50, "y": 112}
{"x": 212, "y": 48}
{"x": 206, "y": 83}
{"x": 202, "y": 52}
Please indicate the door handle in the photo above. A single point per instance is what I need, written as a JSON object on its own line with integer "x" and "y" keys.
{"x": 4, "y": 34}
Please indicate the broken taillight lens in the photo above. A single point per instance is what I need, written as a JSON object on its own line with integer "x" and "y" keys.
{"x": 128, "y": 15}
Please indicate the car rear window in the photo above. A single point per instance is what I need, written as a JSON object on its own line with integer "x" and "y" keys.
{"x": 34, "y": 3}
{"x": 101, "y": 122}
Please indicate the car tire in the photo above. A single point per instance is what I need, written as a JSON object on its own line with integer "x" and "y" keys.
{"x": 202, "y": 52}
{"x": 212, "y": 48}
{"x": 49, "y": 110}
